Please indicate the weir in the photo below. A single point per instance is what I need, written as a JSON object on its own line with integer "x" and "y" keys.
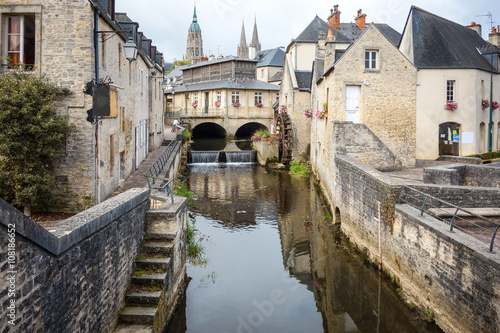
{"x": 243, "y": 156}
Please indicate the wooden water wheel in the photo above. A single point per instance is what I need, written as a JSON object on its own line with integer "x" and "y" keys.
{"x": 285, "y": 135}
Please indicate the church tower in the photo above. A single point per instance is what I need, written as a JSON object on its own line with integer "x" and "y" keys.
{"x": 255, "y": 45}
{"x": 242, "y": 47}
{"x": 194, "y": 48}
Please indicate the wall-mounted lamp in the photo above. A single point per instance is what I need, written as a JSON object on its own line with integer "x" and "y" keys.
{"x": 130, "y": 49}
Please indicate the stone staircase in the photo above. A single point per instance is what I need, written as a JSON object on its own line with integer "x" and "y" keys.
{"x": 148, "y": 285}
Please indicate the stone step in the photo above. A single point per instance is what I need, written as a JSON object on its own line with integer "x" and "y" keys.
{"x": 162, "y": 236}
{"x": 133, "y": 328}
{"x": 153, "y": 264}
{"x": 161, "y": 248}
{"x": 138, "y": 315}
{"x": 150, "y": 280}
{"x": 143, "y": 298}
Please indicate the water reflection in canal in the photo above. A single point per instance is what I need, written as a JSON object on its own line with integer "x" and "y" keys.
{"x": 275, "y": 264}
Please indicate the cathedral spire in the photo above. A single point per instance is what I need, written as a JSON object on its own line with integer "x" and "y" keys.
{"x": 255, "y": 45}
{"x": 242, "y": 47}
{"x": 195, "y": 18}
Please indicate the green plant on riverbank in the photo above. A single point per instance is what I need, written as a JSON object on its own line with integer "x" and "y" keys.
{"x": 183, "y": 191}
{"x": 186, "y": 135}
{"x": 300, "y": 169}
{"x": 194, "y": 249}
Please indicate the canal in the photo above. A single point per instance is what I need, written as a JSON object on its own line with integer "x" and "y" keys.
{"x": 273, "y": 262}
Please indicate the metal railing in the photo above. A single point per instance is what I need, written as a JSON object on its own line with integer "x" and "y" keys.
{"x": 154, "y": 175}
{"x": 454, "y": 216}
{"x": 199, "y": 112}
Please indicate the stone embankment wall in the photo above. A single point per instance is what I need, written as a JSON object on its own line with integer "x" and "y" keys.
{"x": 450, "y": 276}
{"x": 73, "y": 276}
{"x": 266, "y": 150}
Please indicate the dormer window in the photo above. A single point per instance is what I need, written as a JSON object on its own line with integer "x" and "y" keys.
{"x": 20, "y": 40}
{"x": 371, "y": 59}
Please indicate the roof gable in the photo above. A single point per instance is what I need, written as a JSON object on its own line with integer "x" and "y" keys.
{"x": 311, "y": 32}
{"x": 440, "y": 43}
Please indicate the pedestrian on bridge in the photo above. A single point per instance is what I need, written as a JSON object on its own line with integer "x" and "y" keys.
{"x": 174, "y": 124}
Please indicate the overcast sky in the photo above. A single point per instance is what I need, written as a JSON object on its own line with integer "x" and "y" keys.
{"x": 166, "y": 22}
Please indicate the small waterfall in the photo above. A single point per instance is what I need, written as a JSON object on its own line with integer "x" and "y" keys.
{"x": 244, "y": 156}
{"x": 204, "y": 156}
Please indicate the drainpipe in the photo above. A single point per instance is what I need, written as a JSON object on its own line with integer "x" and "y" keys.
{"x": 97, "y": 152}
{"x": 67, "y": 117}
{"x": 490, "y": 136}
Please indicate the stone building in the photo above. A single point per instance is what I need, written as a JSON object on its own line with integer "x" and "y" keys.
{"x": 371, "y": 83}
{"x": 455, "y": 64}
{"x": 59, "y": 40}
{"x": 295, "y": 89}
{"x": 270, "y": 65}
{"x": 194, "y": 47}
{"x": 224, "y": 91}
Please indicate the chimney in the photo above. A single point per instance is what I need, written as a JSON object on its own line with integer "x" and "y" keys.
{"x": 320, "y": 47}
{"x": 476, "y": 27}
{"x": 494, "y": 37}
{"x": 212, "y": 57}
{"x": 203, "y": 58}
{"x": 330, "y": 49}
{"x": 334, "y": 18}
{"x": 361, "y": 20}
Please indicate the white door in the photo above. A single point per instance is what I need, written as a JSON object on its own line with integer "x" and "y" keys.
{"x": 352, "y": 103}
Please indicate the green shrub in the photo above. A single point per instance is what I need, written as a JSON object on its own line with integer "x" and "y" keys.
{"x": 186, "y": 135}
{"x": 487, "y": 156}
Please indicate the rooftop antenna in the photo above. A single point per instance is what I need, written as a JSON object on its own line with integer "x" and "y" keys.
{"x": 490, "y": 17}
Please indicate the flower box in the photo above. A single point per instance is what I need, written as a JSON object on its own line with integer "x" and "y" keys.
{"x": 308, "y": 114}
{"x": 236, "y": 104}
{"x": 194, "y": 105}
{"x": 450, "y": 105}
{"x": 217, "y": 104}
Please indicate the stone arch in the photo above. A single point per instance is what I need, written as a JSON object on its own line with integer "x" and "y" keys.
{"x": 338, "y": 217}
{"x": 482, "y": 137}
{"x": 246, "y": 131}
{"x": 449, "y": 139}
{"x": 208, "y": 130}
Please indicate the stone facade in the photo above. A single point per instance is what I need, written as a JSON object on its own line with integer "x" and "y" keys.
{"x": 387, "y": 95}
{"x": 96, "y": 157}
{"x": 296, "y": 101}
{"x": 194, "y": 44}
{"x": 72, "y": 277}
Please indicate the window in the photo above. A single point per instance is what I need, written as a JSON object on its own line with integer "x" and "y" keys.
{"x": 196, "y": 98}
{"x": 20, "y": 40}
{"x": 111, "y": 155}
{"x": 218, "y": 96}
{"x": 262, "y": 74}
{"x": 235, "y": 97}
{"x": 258, "y": 98}
{"x": 122, "y": 119}
{"x": 371, "y": 60}
{"x": 450, "y": 91}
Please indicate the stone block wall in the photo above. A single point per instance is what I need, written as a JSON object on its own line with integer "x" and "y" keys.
{"x": 451, "y": 276}
{"x": 265, "y": 151}
{"x": 463, "y": 196}
{"x": 73, "y": 276}
{"x": 466, "y": 175}
{"x": 449, "y": 273}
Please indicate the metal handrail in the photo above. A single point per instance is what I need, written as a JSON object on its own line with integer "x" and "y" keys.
{"x": 155, "y": 171}
{"x": 422, "y": 201}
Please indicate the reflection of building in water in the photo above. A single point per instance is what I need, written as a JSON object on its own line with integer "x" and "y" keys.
{"x": 351, "y": 295}
{"x": 229, "y": 194}
{"x": 294, "y": 232}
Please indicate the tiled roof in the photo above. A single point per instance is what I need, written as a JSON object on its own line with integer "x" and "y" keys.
{"x": 242, "y": 84}
{"x": 276, "y": 77}
{"x": 304, "y": 80}
{"x": 392, "y": 35}
{"x": 440, "y": 43}
{"x": 274, "y": 57}
{"x": 310, "y": 33}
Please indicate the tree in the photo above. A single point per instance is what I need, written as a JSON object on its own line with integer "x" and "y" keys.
{"x": 31, "y": 133}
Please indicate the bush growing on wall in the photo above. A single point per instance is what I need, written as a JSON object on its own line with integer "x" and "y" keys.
{"x": 31, "y": 133}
